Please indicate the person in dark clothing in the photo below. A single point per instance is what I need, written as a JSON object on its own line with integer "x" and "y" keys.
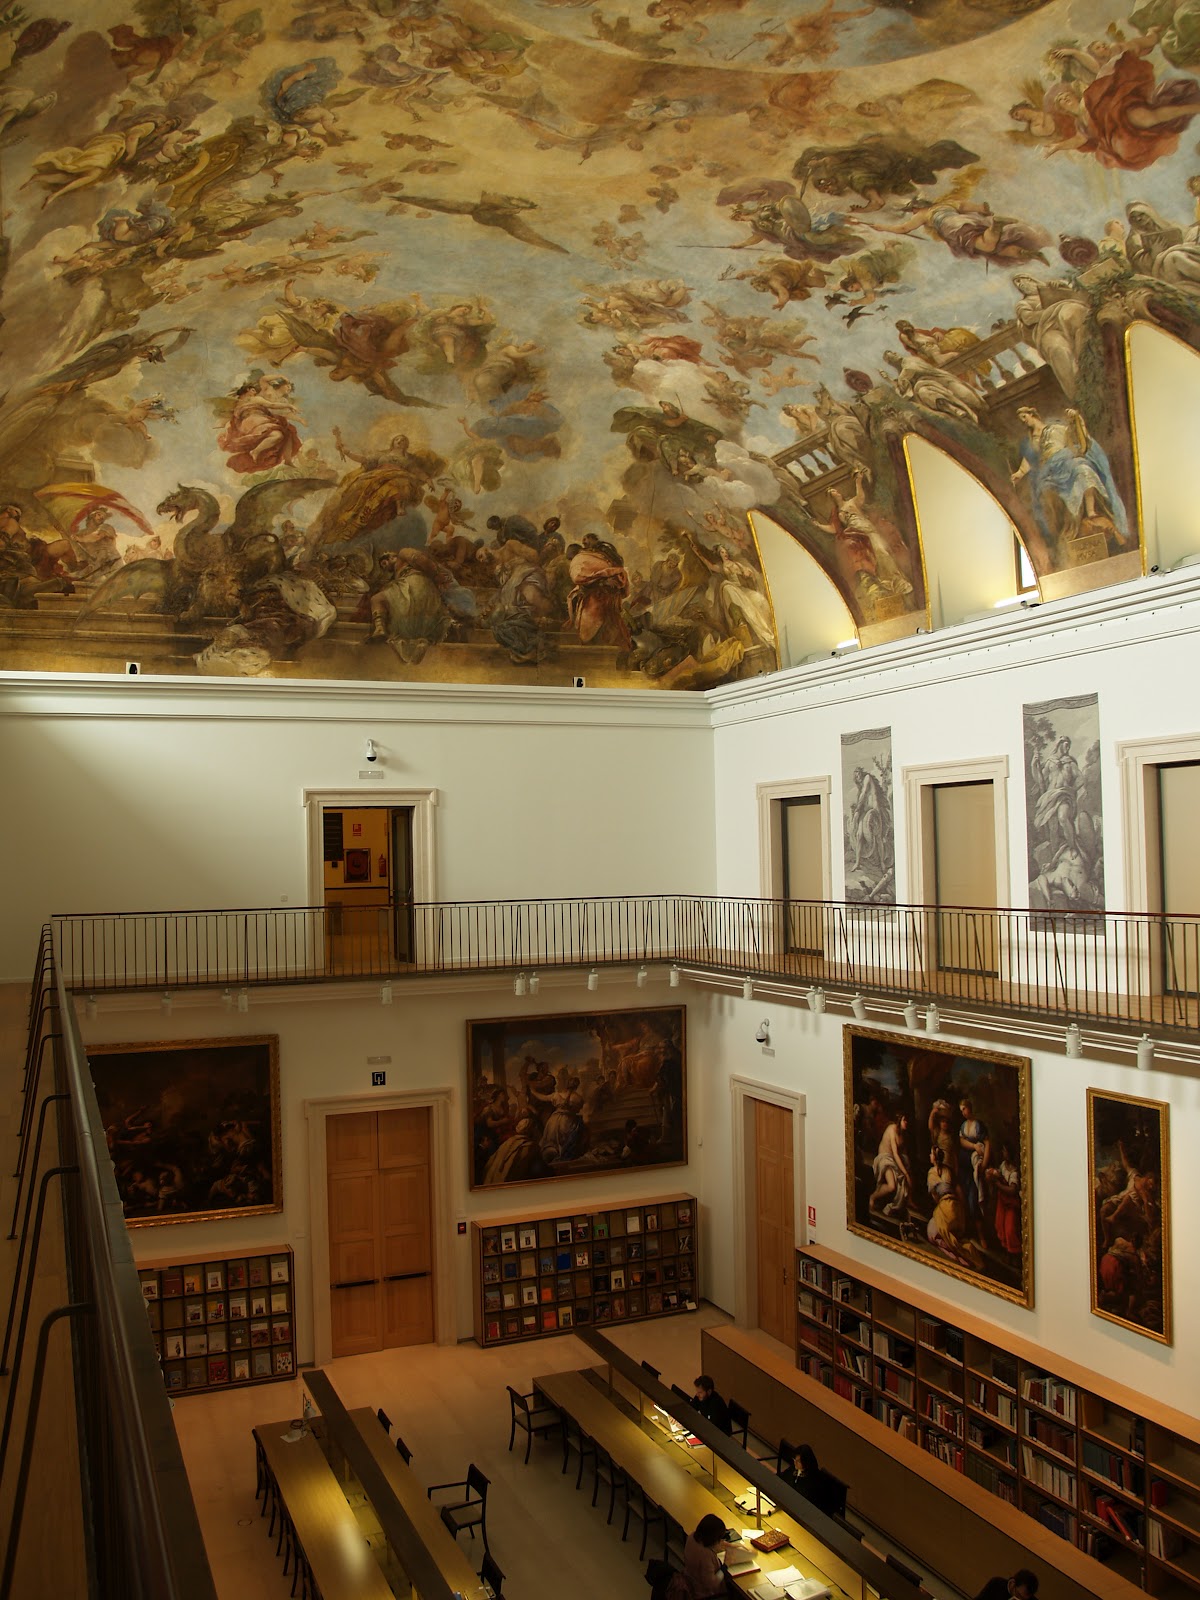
{"x": 1023, "y": 1585}
{"x": 809, "y": 1479}
{"x": 709, "y": 1403}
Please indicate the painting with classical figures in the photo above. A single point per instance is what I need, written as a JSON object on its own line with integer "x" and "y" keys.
{"x": 1064, "y": 827}
{"x": 939, "y": 1153}
{"x": 1129, "y": 1217}
{"x": 192, "y": 1127}
{"x": 868, "y": 828}
{"x": 576, "y": 1095}
{"x": 393, "y": 340}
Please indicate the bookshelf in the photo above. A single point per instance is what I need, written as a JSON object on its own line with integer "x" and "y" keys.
{"x": 550, "y": 1271}
{"x": 1111, "y": 1472}
{"x": 222, "y": 1321}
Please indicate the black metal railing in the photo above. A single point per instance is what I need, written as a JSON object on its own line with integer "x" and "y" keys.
{"x": 139, "y": 1525}
{"x": 1118, "y": 969}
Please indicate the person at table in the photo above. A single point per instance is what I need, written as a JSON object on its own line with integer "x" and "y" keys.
{"x": 808, "y": 1478}
{"x": 703, "y": 1570}
{"x": 709, "y": 1403}
{"x": 1023, "y": 1585}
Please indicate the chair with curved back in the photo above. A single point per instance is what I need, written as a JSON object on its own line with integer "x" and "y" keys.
{"x": 385, "y": 1422}
{"x": 493, "y": 1578}
{"x": 403, "y": 1451}
{"x": 739, "y": 1422}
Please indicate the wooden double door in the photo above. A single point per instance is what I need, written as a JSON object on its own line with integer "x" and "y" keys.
{"x": 775, "y": 1220}
{"x": 381, "y": 1289}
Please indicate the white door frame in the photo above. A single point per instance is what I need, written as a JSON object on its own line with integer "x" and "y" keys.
{"x": 440, "y": 1103}
{"x": 1138, "y": 760}
{"x": 422, "y": 803}
{"x": 770, "y": 833}
{"x": 745, "y": 1233}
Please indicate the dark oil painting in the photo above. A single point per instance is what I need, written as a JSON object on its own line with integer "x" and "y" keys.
{"x": 1129, "y": 1216}
{"x": 576, "y": 1095}
{"x": 192, "y": 1127}
{"x": 938, "y": 1156}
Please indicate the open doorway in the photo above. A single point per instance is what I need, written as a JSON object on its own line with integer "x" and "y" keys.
{"x": 370, "y": 869}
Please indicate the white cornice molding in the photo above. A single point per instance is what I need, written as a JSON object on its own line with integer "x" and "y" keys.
{"x": 149, "y": 698}
{"x": 1163, "y": 606}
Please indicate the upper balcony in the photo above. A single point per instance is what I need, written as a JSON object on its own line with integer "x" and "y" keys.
{"x": 1119, "y": 971}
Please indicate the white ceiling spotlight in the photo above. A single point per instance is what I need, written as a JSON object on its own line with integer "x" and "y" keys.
{"x": 593, "y": 980}
{"x": 643, "y": 976}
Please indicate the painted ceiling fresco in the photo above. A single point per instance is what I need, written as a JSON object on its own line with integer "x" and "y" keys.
{"x": 405, "y": 340}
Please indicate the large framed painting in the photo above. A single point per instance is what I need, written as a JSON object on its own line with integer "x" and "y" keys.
{"x": 1129, "y": 1164}
{"x": 576, "y": 1095}
{"x": 938, "y": 1156}
{"x": 192, "y": 1127}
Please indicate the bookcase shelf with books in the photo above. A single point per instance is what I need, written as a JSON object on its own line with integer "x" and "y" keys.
{"x": 221, "y": 1321}
{"x": 550, "y": 1271}
{"x": 1109, "y": 1470}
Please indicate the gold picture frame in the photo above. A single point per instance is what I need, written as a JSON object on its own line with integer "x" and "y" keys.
{"x": 1129, "y": 1211}
{"x": 192, "y": 1126}
{"x": 939, "y": 1149}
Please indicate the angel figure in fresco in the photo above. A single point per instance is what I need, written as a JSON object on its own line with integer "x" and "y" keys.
{"x": 777, "y": 215}
{"x": 504, "y": 211}
{"x": 260, "y": 433}
{"x": 971, "y": 230}
{"x": 878, "y": 167}
{"x": 813, "y": 36}
{"x": 360, "y": 346}
{"x": 298, "y": 98}
{"x": 383, "y": 484}
{"x": 786, "y": 280}
{"x": 667, "y": 435}
{"x": 636, "y": 305}
{"x": 147, "y": 137}
{"x": 752, "y": 342}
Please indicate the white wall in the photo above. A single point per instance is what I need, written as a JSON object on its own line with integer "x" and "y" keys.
{"x": 953, "y": 697}
{"x": 324, "y": 1043}
{"x": 132, "y": 795}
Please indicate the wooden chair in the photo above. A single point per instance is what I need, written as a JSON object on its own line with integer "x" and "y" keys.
{"x": 534, "y": 1419}
{"x": 493, "y": 1578}
{"x": 385, "y": 1422}
{"x": 403, "y": 1451}
{"x": 739, "y": 1422}
{"x": 682, "y": 1393}
{"x": 469, "y": 1511}
{"x": 607, "y": 1471}
{"x": 835, "y": 1492}
{"x": 897, "y": 1565}
{"x": 653, "y": 1371}
{"x": 639, "y": 1504}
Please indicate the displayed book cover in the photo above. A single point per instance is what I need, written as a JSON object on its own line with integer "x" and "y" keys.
{"x": 508, "y": 1239}
{"x": 616, "y": 1254}
{"x": 491, "y": 1244}
{"x": 218, "y": 1369}
{"x": 281, "y": 1331}
{"x": 563, "y": 1232}
{"x": 214, "y": 1279}
{"x": 600, "y": 1228}
{"x": 670, "y": 1270}
{"x": 566, "y": 1317}
{"x": 237, "y": 1307}
{"x": 260, "y": 1333}
{"x": 150, "y": 1286}
{"x": 193, "y": 1311}
{"x": 491, "y": 1299}
{"x": 583, "y": 1258}
{"x": 633, "y": 1222}
{"x": 256, "y": 1270}
{"x": 550, "y": 1319}
{"x": 528, "y": 1238}
{"x": 173, "y": 1347}
{"x": 216, "y": 1341}
{"x": 600, "y": 1282}
{"x": 583, "y": 1227}
{"x": 191, "y": 1280}
{"x": 491, "y": 1272}
{"x": 600, "y": 1255}
{"x": 601, "y": 1310}
{"x": 241, "y": 1368}
{"x": 651, "y": 1221}
{"x": 546, "y": 1262}
{"x": 563, "y": 1261}
{"x": 683, "y": 1213}
{"x": 565, "y": 1288}
{"x": 280, "y": 1272}
{"x": 618, "y": 1305}
{"x": 172, "y": 1313}
{"x": 633, "y": 1250}
{"x": 197, "y": 1373}
{"x": 652, "y": 1274}
{"x": 260, "y": 1364}
{"x": 529, "y": 1294}
{"x": 258, "y": 1305}
{"x": 547, "y": 1291}
{"x": 492, "y": 1329}
{"x": 583, "y": 1311}
{"x": 529, "y": 1266}
{"x": 670, "y": 1300}
{"x": 637, "y": 1305}
{"x": 654, "y": 1301}
{"x": 239, "y": 1336}
{"x": 237, "y": 1274}
{"x": 652, "y": 1246}
{"x": 636, "y": 1277}
{"x": 510, "y": 1299}
{"x": 282, "y": 1362}
{"x": 510, "y": 1269}
{"x": 529, "y": 1322}
{"x": 216, "y": 1309}
{"x": 173, "y": 1377}
{"x": 616, "y": 1278}
{"x": 279, "y": 1301}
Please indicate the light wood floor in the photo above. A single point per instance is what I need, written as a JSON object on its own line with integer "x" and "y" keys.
{"x": 450, "y": 1405}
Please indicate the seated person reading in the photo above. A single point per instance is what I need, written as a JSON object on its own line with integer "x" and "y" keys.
{"x": 703, "y": 1571}
{"x": 709, "y": 1403}
{"x": 805, "y": 1476}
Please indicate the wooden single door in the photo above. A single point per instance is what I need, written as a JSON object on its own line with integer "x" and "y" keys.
{"x": 775, "y": 1220}
{"x": 380, "y": 1249}
{"x": 964, "y": 843}
{"x": 1179, "y": 894}
{"x": 801, "y": 858}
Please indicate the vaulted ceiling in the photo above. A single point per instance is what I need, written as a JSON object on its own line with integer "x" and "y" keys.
{"x": 394, "y": 340}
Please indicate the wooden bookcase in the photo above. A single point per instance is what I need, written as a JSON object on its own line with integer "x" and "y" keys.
{"x": 221, "y": 1321}
{"x": 1108, "y": 1469}
{"x": 550, "y": 1271}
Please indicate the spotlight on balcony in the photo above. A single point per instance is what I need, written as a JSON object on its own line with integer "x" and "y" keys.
{"x": 535, "y": 983}
{"x": 227, "y": 999}
{"x": 816, "y": 1000}
{"x": 1145, "y": 1053}
{"x": 165, "y": 1003}
{"x": 1074, "y": 1041}
{"x": 747, "y": 988}
{"x": 910, "y": 1015}
{"x": 385, "y": 993}
{"x": 859, "y": 1007}
{"x": 643, "y": 977}
{"x": 243, "y": 1000}
{"x": 89, "y": 1008}
{"x": 593, "y": 980}
{"x": 673, "y": 980}
{"x": 520, "y": 983}
{"x": 933, "y": 1020}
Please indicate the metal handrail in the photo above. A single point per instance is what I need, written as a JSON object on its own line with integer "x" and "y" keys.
{"x": 1123, "y": 970}
{"x": 139, "y": 1518}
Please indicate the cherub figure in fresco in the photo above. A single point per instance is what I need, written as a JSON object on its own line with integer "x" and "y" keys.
{"x": 621, "y": 249}
{"x": 786, "y": 280}
{"x": 751, "y": 343}
{"x": 811, "y": 37}
{"x": 482, "y": 57}
{"x": 295, "y": 96}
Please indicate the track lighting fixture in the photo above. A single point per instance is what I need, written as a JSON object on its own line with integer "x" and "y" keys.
{"x": 747, "y": 988}
{"x": 535, "y": 983}
{"x": 643, "y": 977}
{"x": 673, "y": 980}
{"x": 385, "y": 993}
{"x": 593, "y": 980}
{"x": 816, "y": 1000}
{"x": 243, "y": 1000}
{"x": 520, "y": 983}
{"x": 859, "y": 1007}
{"x": 1145, "y": 1053}
{"x": 1074, "y": 1041}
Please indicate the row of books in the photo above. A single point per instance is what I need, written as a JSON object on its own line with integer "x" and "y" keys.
{"x": 214, "y": 1277}
{"x": 895, "y": 1383}
{"x": 855, "y": 1360}
{"x": 998, "y": 1445}
{"x": 1052, "y": 1394}
{"x": 1130, "y": 1524}
{"x": 949, "y": 1418}
{"x": 1002, "y": 1406}
{"x": 940, "y": 1336}
{"x": 947, "y": 1450}
{"x": 1048, "y": 1474}
{"x": 892, "y": 1348}
{"x": 848, "y": 1289}
{"x": 615, "y": 1308}
{"x": 847, "y": 1389}
{"x": 992, "y": 1479}
{"x": 816, "y": 1310}
{"x": 582, "y": 1229}
{"x": 207, "y": 1372}
{"x": 1114, "y": 1468}
{"x": 901, "y": 1422}
{"x": 852, "y": 1326}
{"x": 814, "y": 1274}
{"x": 217, "y": 1341}
{"x": 1050, "y": 1434}
{"x": 1056, "y": 1518}
{"x": 1165, "y": 1542}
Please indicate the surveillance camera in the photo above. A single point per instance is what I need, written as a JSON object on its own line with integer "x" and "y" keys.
{"x": 764, "y": 1032}
{"x": 1154, "y": 568}
{"x": 372, "y": 753}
